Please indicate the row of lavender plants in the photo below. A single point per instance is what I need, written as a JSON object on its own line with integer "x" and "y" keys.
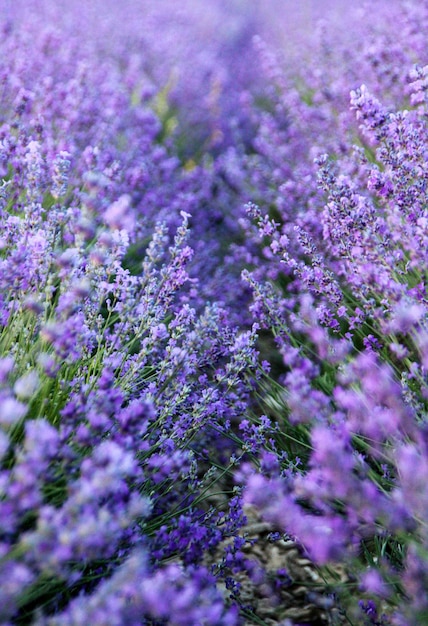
{"x": 213, "y": 265}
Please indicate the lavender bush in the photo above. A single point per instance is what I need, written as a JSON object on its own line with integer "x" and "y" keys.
{"x": 352, "y": 339}
{"x": 213, "y": 265}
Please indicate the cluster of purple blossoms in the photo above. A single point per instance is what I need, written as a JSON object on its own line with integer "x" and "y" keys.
{"x": 347, "y": 307}
{"x": 120, "y": 377}
{"x": 213, "y": 294}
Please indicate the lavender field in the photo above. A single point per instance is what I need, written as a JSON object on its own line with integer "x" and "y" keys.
{"x": 213, "y": 313}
